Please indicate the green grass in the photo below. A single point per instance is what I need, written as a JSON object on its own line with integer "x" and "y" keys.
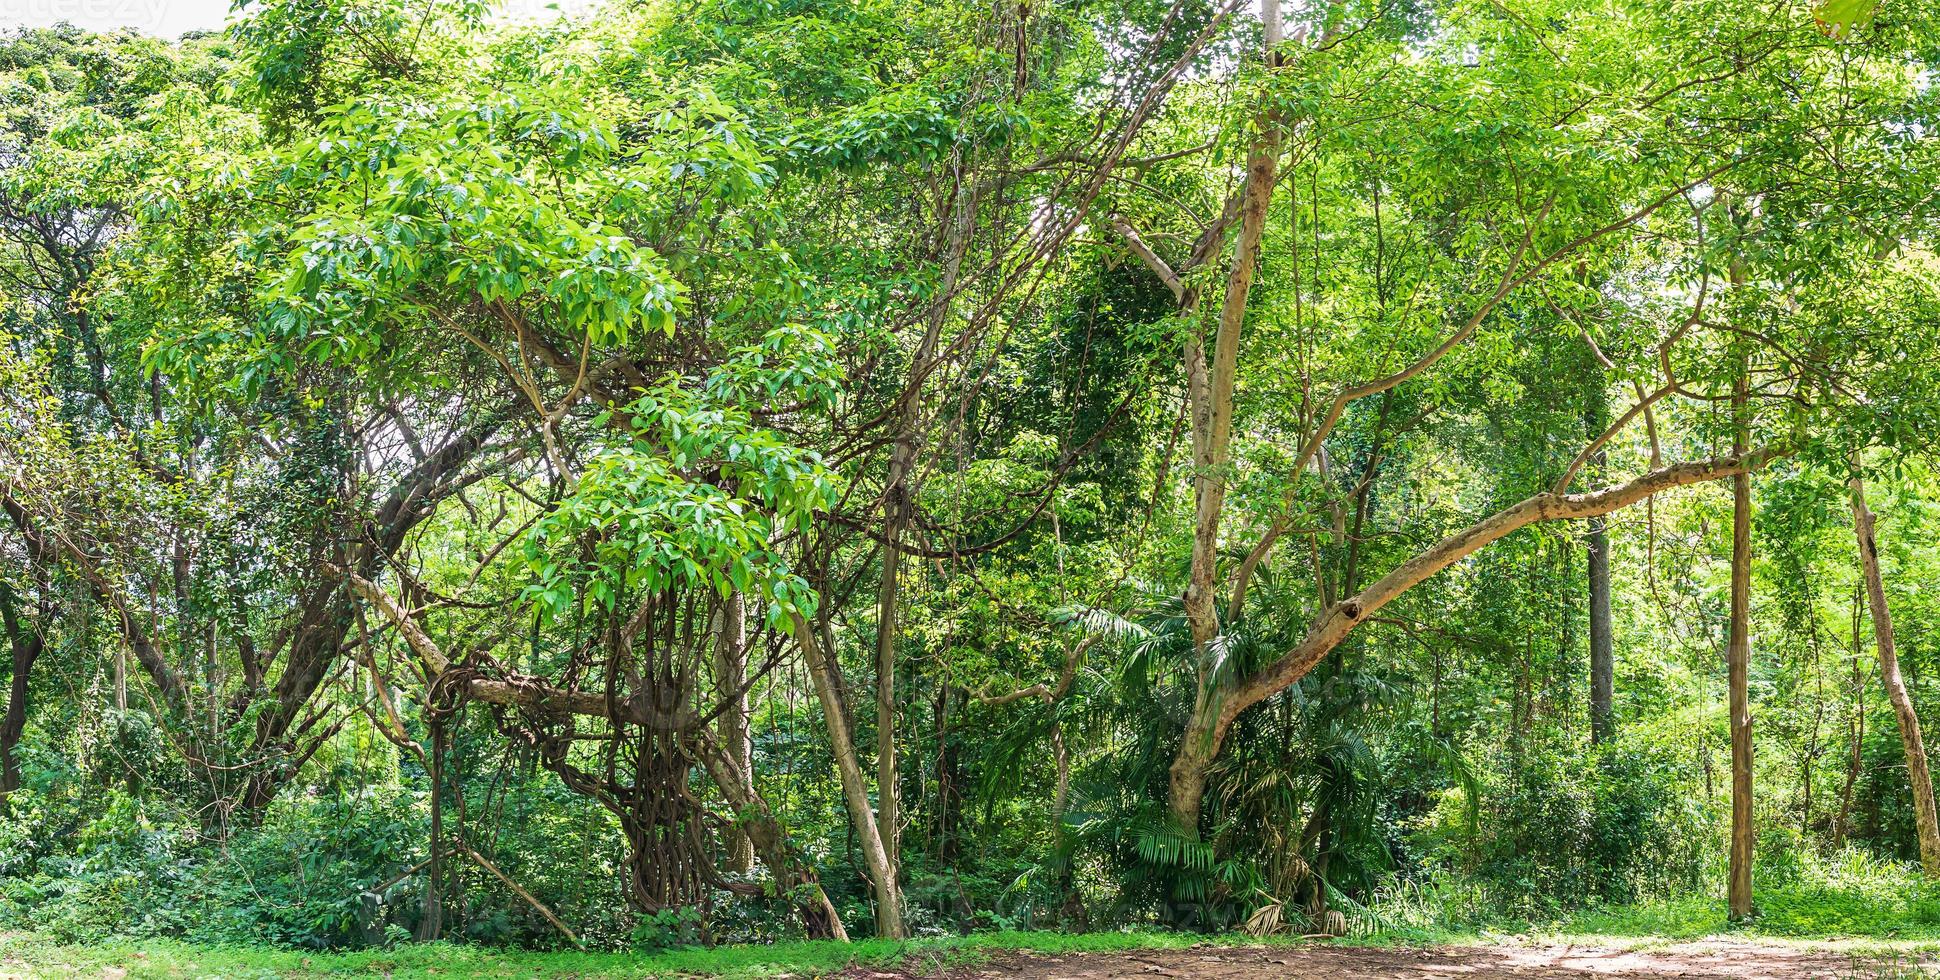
{"x": 1800, "y": 912}
{"x": 1839, "y": 915}
{"x": 40, "y": 957}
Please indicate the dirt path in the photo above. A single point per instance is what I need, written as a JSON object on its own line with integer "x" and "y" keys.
{"x": 1720, "y": 959}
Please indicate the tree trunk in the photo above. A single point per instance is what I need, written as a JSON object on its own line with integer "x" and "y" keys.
{"x": 795, "y": 880}
{"x": 887, "y": 818}
{"x": 1076, "y": 916}
{"x": 949, "y": 776}
{"x": 431, "y": 923}
{"x": 1737, "y": 663}
{"x": 899, "y": 505}
{"x": 1210, "y": 387}
{"x": 731, "y": 670}
{"x": 1917, "y": 773}
{"x": 26, "y": 643}
{"x": 1602, "y": 640}
{"x": 15, "y": 723}
{"x": 826, "y": 675}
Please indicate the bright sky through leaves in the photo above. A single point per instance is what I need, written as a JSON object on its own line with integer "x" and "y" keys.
{"x": 173, "y": 18}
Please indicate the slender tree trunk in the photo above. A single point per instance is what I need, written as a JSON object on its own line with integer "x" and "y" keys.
{"x": 1076, "y": 916}
{"x": 731, "y": 667}
{"x": 1602, "y": 646}
{"x": 1815, "y": 746}
{"x": 1602, "y": 640}
{"x": 887, "y": 818}
{"x": 1917, "y": 772}
{"x": 949, "y": 775}
{"x": 431, "y": 923}
{"x": 826, "y": 675}
{"x": 899, "y": 505}
{"x": 121, "y": 677}
{"x": 1737, "y": 661}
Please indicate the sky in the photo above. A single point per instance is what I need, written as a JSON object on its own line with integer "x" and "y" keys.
{"x": 167, "y": 18}
{"x": 173, "y": 18}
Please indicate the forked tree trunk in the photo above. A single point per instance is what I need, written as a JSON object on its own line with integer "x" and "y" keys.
{"x": 1924, "y": 819}
{"x": 1334, "y": 624}
{"x": 1737, "y": 665}
{"x": 1210, "y": 388}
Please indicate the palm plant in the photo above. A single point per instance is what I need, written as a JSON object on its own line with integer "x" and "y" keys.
{"x": 1294, "y": 803}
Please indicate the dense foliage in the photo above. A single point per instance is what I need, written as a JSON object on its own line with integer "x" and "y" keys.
{"x": 728, "y": 470}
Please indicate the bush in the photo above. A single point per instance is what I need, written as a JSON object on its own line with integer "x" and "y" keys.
{"x": 320, "y": 872}
{"x": 1565, "y": 829}
{"x": 309, "y": 876}
{"x": 114, "y": 872}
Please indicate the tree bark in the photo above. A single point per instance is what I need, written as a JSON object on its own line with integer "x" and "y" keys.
{"x": 1926, "y": 823}
{"x": 1737, "y": 664}
{"x": 1602, "y": 642}
{"x": 431, "y": 923}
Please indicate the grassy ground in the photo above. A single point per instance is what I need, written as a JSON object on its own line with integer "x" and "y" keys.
{"x": 1826, "y": 917}
{"x": 1809, "y": 912}
{"x": 24, "y": 954}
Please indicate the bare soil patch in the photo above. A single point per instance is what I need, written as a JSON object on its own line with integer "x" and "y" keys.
{"x": 1720, "y": 959}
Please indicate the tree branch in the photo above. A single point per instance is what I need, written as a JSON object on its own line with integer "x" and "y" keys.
{"x": 1341, "y": 618}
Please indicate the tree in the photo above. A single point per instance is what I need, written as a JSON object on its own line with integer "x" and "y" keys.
{"x": 1523, "y": 254}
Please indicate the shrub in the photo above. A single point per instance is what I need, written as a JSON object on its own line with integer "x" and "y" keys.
{"x": 321, "y": 871}
{"x": 1564, "y": 829}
